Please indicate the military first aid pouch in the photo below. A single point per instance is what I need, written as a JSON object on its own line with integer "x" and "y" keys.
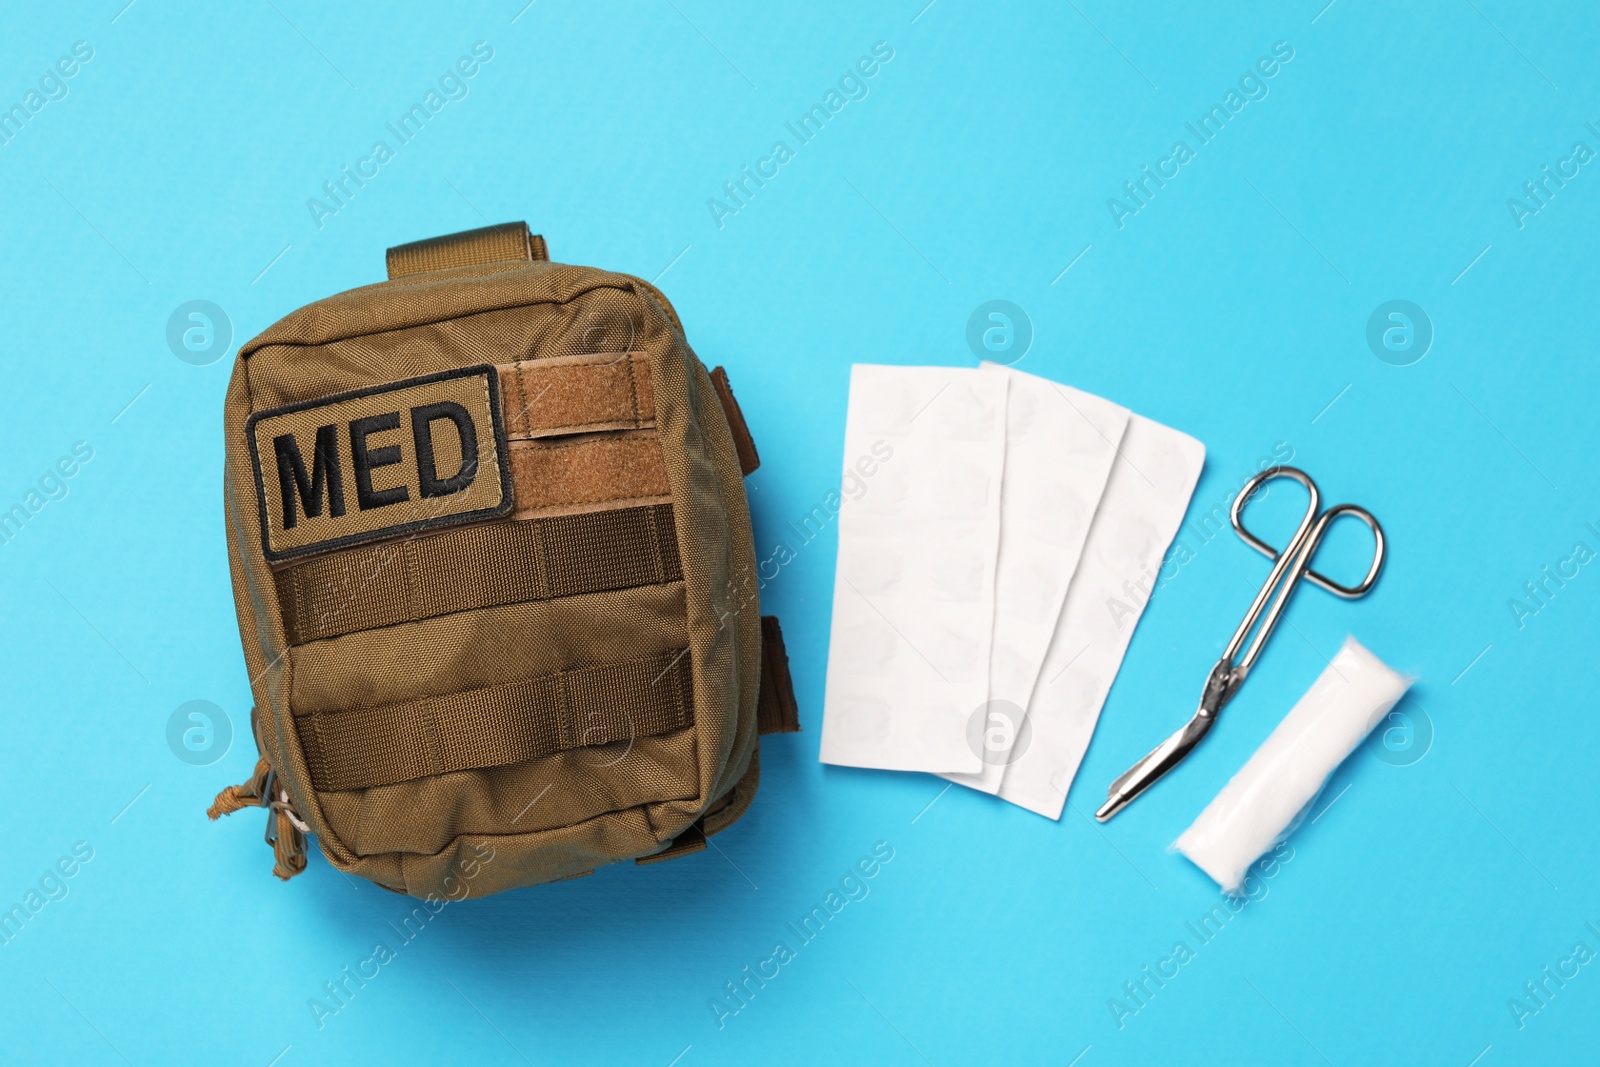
{"x": 495, "y": 575}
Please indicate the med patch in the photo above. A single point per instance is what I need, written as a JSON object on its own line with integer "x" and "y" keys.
{"x": 380, "y": 462}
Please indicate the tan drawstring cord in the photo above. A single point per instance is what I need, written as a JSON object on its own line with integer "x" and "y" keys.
{"x": 286, "y": 832}
{"x": 237, "y": 797}
{"x": 288, "y": 842}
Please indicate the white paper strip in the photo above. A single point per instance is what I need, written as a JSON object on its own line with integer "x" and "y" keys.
{"x": 913, "y": 595}
{"x": 1145, "y": 499}
{"x": 1060, "y": 443}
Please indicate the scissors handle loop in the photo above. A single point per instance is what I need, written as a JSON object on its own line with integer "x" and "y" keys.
{"x": 1293, "y": 563}
{"x": 1349, "y": 592}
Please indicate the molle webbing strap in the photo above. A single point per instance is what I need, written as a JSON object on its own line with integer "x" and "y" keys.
{"x": 505, "y": 243}
{"x": 576, "y": 394}
{"x": 478, "y": 567}
{"x": 743, "y": 444}
{"x": 776, "y": 709}
{"x": 498, "y": 726}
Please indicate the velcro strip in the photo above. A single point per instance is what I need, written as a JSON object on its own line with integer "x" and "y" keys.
{"x": 588, "y": 473}
{"x": 499, "y": 725}
{"x": 478, "y": 567}
{"x": 577, "y": 394}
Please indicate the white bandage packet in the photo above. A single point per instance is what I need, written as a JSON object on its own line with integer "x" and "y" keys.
{"x": 1261, "y": 803}
{"x": 914, "y": 590}
{"x": 1060, "y": 444}
{"x": 1146, "y": 496}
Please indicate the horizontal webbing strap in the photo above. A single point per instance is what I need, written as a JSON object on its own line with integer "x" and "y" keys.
{"x": 577, "y": 394}
{"x": 588, "y": 472}
{"x": 498, "y": 726}
{"x": 478, "y": 567}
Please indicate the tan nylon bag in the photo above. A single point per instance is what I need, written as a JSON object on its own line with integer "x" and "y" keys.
{"x": 495, "y": 577}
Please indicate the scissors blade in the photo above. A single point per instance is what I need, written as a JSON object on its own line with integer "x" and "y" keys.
{"x": 1162, "y": 758}
{"x": 1165, "y": 756}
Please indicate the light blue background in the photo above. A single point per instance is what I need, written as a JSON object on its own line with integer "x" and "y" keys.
{"x": 1233, "y": 306}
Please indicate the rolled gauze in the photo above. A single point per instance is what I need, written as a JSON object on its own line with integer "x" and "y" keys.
{"x": 1257, "y": 807}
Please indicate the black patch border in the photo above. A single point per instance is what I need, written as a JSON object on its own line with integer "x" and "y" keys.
{"x": 503, "y": 455}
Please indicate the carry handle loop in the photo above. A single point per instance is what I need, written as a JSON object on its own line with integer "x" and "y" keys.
{"x": 509, "y": 242}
